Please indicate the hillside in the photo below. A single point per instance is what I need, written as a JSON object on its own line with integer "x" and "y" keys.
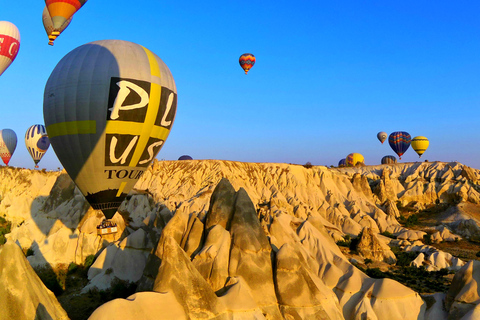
{"x": 220, "y": 239}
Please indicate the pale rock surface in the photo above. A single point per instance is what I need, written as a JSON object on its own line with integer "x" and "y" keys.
{"x": 463, "y": 296}
{"x": 369, "y": 246}
{"x": 435, "y": 306}
{"x": 18, "y": 300}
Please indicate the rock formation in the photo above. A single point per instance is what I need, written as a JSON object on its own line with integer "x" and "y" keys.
{"x": 22, "y": 293}
{"x": 230, "y": 240}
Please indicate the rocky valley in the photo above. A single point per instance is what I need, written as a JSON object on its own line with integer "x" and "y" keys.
{"x": 211, "y": 239}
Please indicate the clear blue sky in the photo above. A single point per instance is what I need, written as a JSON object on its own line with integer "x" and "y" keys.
{"x": 329, "y": 75}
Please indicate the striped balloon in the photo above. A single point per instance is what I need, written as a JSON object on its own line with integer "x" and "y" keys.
{"x": 37, "y": 142}
{"x": 420, "y": 145}
{"x": 354, "y": 158}
{"x": 61, "y": 11}
{"x": 389, "y": 160}
{"x": 246, "y": 60}
{"x": 9, "y": 44}
{"x": 400, "y": 142}
{"x": 8, "y": 143}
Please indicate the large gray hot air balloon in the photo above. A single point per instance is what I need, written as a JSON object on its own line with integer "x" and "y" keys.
{"x": 108, "y": 107}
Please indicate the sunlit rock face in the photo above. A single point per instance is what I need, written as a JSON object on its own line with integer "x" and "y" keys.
{"x": 22, "y": 293}
{"x": 232, "y": 240}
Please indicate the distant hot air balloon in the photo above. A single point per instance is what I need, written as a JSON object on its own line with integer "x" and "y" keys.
{"x": 9, "y": 44}
{"x": 62, "y": 10}
{"x": 108, "y": 107}
{"x": 247, "y": 60}
{"x": 342, "y": 162}
{"x": 389, "y": 160}
{"x": 8, "y": 143}
{"x": 382, "y": 136}
{"x": 37, "y": 142}
{"x": 48, "y": 25}
{"x": 354, "y": 158}
{"x": 420, "y": 145}
{"x": 399, "y": 141}
{"x": 185, "y": 157}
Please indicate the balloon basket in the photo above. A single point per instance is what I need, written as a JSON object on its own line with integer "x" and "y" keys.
{"x": 107, "y": 227}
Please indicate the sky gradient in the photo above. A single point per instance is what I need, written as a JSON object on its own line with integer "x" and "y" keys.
{"x": 328, "y": 76}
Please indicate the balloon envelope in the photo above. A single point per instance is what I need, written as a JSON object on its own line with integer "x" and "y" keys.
{"x": 420, "y": 145}
{"x": 342, "y": 162}
{"x": 108, "y": 107}
{"x": 9, "y": 44}
{"x": 62, "y": 10}
{"x": 8, "y": 143}
{"x": 246, "y": 60}
{"x": 48, "y": 25}
{"x": 185, "y": 157}
{"x": 382, "y": 136}
{"x": 400, "y": 142}
{"x": 389, "y": 160}
{"x": 354, "y": 158}
{"x": 37, "y": 142}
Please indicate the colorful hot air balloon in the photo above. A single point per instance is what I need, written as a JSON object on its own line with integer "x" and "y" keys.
{"x": 420, "y": 145}
{"x": 247, "y": 60}
{"x": 185, "y": 157}
{"x": 8, "y": 143}
{"x": 342, "y": 162}
{"x": 108, "y": 107}
{"x": 9, "y": 44}
{"x": 399, "y": 141}
{"x": 62, "y": 10}
{"x": 354, "y": 158}
{"x": 48, "y": 25}
{"x": 389, "y": 160}
{"x": 382, "y": 136}
{"x": 37, "y": 142}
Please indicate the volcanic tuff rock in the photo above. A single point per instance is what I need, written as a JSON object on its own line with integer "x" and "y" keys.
{"x": 261, "y": 241}
{"x": 370, "y": 247}
{"x": 22, "y": 293}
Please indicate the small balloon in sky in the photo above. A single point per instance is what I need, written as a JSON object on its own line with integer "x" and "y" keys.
{"x": 382, "y": 136}
{"x": 48, "y": 25}
{"x": 399, "y": 142}
{"x": 8, "y": 144}
{"x": 246, "y": 60}
{"x": 62, "y": 10}
{"x": 420, "y": 145}
{"x": 354, "y": 158}
{"x": 389, "y": 160}
{"x": 37, "y": 142}
{"x": 9, "y": 44}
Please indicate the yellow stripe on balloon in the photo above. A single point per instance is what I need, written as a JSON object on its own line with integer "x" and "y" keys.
{"x": 120, "y": 189}
{"x": 134, "y": 128}
{"x": 71, "y": 127}
{"x": 152, "y": 111}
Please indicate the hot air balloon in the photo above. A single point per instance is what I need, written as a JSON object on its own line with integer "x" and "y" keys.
{"x": 185, "y": 157}
{"x": 8, "y": 143}
{"x": 389, "y": 160}
{"x": 399, "y": 141}
{"x": 382, "y": 136}
{"x": 37, "y": 142}
{"x": 342, "y": 162}
{"x": 247, "y": 60}
{"x": 420, "y": 145}
{"x": 9, "y": 44}
{"x": 62, "y": 10}
{"x": 108, "y": 107}
{"x": 48, "y": 25}
{"x": 353, "y": 159}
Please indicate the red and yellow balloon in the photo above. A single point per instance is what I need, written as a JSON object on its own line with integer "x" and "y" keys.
{"x": 246, "y": 60}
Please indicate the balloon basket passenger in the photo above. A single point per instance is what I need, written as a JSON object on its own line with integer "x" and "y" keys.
{"x": 106, "y": 227}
